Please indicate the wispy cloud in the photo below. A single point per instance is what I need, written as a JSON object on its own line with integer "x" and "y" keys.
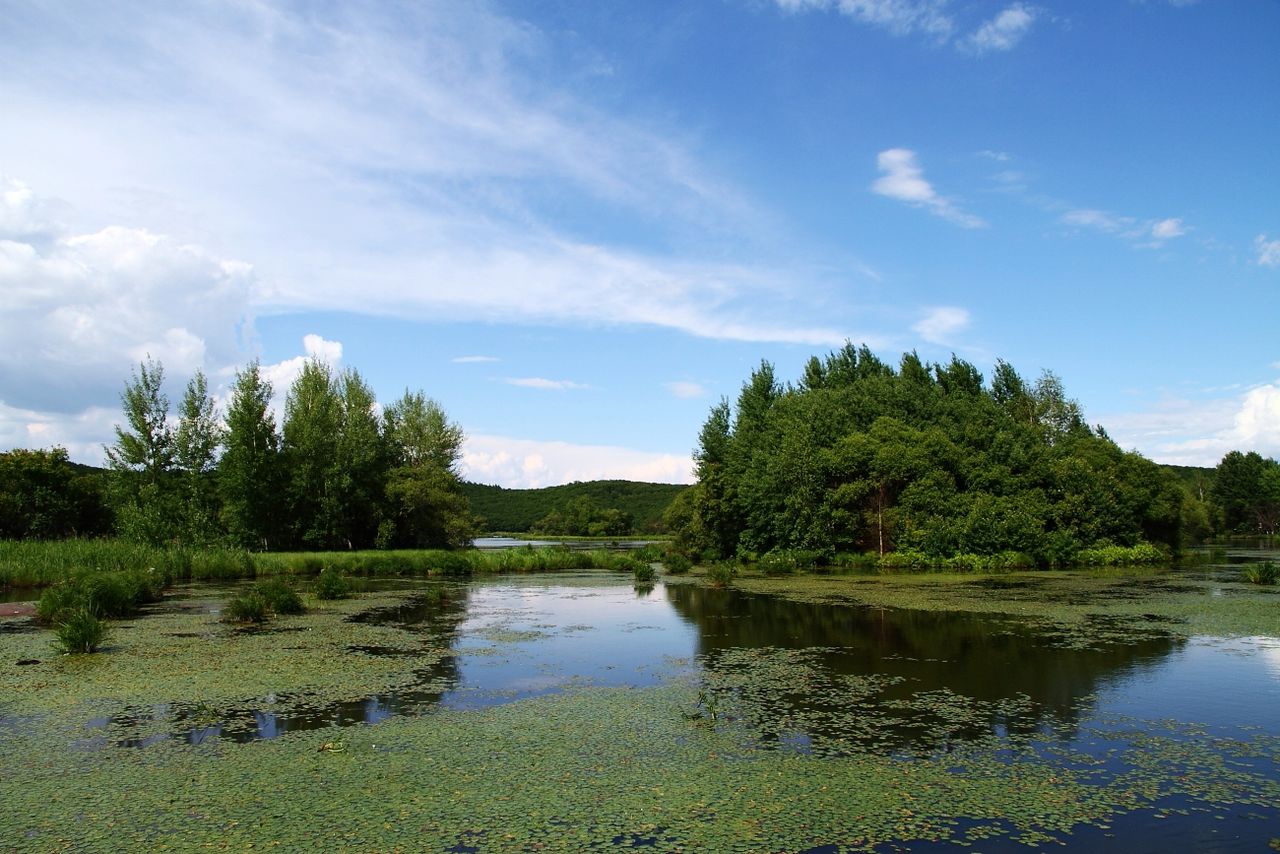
{"x": 1167, "y": 229}
{"x": 1199, "y": 433}
{"x": 1148, "y": 234}
{"x": 685, "y": 389}
{"x": 941, "y": 323}
{"x": 473, "y": 360}
{"x": 900, "y": 17}
{"x": 526, "y": 464}
{"x": 543, "y": 383}
{"x": 904, "y": 180}
{"x": 1268, "y": 251}
{"x": 1003, "y": 32}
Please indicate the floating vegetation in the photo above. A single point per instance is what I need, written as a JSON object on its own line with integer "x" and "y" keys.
{"x": 862, "y": 735}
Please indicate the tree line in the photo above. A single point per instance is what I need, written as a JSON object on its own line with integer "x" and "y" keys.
{"x": 926, "y": 459}
{"x": 339, "y": 473}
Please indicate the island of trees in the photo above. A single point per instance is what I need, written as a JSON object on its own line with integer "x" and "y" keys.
{"x": 927, "y": 463}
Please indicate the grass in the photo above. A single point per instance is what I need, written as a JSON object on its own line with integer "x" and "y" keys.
{"x": 331, "y": 584}
{"x": 80, "y": 631}
{"x": 1260, "y": 573}
{"x": 255, "y": 605}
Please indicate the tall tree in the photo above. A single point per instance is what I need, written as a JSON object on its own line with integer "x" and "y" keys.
{"x": 250, "y": 472}
{"x": 142, "y": 458}
{"x": 196, "y": 444}
{"x": 312, "y": 420}
{"x": 426, "y": 503}
{"x": 361, "y": 462}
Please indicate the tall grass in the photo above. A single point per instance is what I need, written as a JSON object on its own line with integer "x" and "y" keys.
{"x": 47, "y": 564}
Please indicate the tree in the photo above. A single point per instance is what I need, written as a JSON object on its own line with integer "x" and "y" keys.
{"x": 142, "y": 459}
{"x": 249, "y": 474}
{"x": 312, "y": 420}
{"x": 196, "y": 444}
{"x": 424, "y": 494}
{"x": 361, "y": 463}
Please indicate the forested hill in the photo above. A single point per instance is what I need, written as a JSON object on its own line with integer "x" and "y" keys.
{"x": 519, "y": 509}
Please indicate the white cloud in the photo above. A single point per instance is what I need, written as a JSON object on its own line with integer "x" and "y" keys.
{"x": 900, "y": 17}
{"x": 1199, "y": 433}
{"x": 528, "y": 464}
{"x": 941, "y": 324}
{"x": 1268, "y": 251}
{"x": 686, "y": 390}
{"x": 81, "y": 433}
{"x": 1003, "y": 32}
{"x": 80, "y": 311}
{"x": 1166, "y": 229}
{"x": 386, "y": 158}
{"x": 473, "y": 360}
{"x": 904, "y": 180}
{"x": 1100, "y": 220}
{"x": 542, "y": 383}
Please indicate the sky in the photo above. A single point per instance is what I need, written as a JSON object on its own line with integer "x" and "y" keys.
{"x": 579, "y": 225}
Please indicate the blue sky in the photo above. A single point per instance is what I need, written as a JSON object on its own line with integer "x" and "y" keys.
{"x": 578, "y": 225}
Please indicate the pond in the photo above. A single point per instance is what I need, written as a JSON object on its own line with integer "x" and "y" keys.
{"x": 1157, "y": 739}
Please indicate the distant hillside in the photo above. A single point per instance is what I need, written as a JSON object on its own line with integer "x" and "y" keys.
{"x": 518, "y": 509}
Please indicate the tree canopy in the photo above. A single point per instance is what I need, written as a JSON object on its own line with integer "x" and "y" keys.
{"x": 861, "y": 457}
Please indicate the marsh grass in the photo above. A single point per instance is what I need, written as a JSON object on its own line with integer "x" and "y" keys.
{"x": 1260, "y": 573}
{"x": 675, "y": 563}
{"x": 80, "y": 631}
{"x": 644, "y": 574}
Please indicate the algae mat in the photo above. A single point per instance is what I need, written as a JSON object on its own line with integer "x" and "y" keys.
{"x": 737, "y": 748}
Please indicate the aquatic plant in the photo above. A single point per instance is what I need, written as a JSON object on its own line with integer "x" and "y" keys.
{"x": 279, "y": 597}
{"x": 1260, "y": 573}
{"x": 675, "y": 563}
{"x": 643, "y": 573}
{"x": 80, "y": 631}
{"x": 248, "y": 607}
{"x": 721, "y": 573}
{"x": 330, "y": 584}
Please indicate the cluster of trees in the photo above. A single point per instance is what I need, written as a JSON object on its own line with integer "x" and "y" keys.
{"x": 859, "y": 456}
{"x": 1245, "y": 494}
{"x": 526, "y": 509}
{"x": 44, "y": 496}
{"x": 580, "y": 517}
{"x": 337, "y": 474}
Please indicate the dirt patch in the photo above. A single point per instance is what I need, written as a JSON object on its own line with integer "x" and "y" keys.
{"x": 17, "y": 609}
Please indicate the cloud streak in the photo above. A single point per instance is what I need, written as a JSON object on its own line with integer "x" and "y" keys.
{"x": 904, "y": 180}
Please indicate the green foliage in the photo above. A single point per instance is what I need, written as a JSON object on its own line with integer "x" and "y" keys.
{"x": 250, "y": 472}
{"x": 580, "y": 517}
{"x": 1260, "y": 573}
{"x": 248, "y": 607}
{"x": 80, "y": 631}
{"x": 1246, "y": 488}
{"x": 331, "y": 584}
{"x": 142, "y": 460}
{"x": 279, "y": 597}
{"x": 918, "y": 465}
{"x": 260, "y": 601}
{"x": 643, "y": 573}
{"x": 105, "y": 594}
{"x": 519, "y": 510}
{"x": 722, "y": 573}
{"x": 676, "y": 564}
{"x": 44, "y": 496}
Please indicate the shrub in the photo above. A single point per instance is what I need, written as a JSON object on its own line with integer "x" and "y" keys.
{"x": 644, "y": 574}
{"x": 248, "y": 607}
{"x": 777, "y": 563}
{"x": 80, "y": 630}
{"x": 330, "y": 584}
{"x": 721, "y": 573}
{"x": 58, "y": 601}
{"x": 1260, "y": 573}
{"x": 279, "y": 597}
{"x": 676, "y": 564}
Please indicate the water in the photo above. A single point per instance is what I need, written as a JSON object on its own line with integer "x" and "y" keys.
{"x": 815, "y": 678}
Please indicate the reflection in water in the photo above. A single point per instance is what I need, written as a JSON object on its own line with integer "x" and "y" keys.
{"x": 983, "y": 674}
{"x": 804, "y": 674}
